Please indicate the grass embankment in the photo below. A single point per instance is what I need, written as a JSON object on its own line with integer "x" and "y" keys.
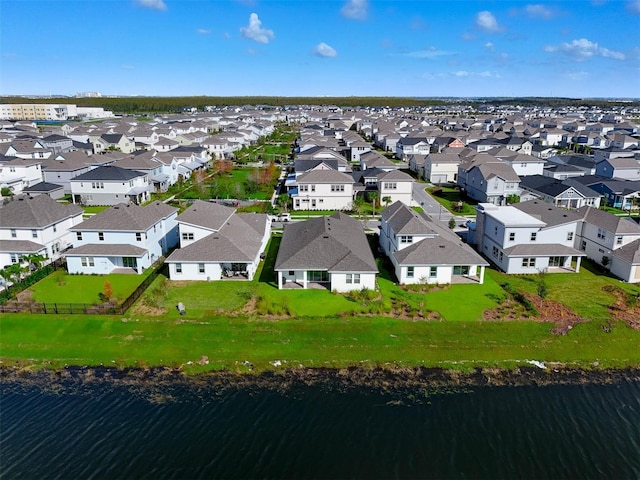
{"x": 449, "y": 198}
{"x": 316, "y": 328}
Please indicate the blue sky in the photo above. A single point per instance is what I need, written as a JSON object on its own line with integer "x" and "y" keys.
{"x": 425, "y": 48}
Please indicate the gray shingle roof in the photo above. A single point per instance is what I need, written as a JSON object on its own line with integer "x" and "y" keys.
{"x": 324, "y": 176}
{"x": 548, "y": 213}
{"x": 109, "y": 173}
{"x": 542, "y": 250}
{"x": 36, "y": 212}
{"x": 608, "y": 221}
{"x": 207, "y": 215}
{"x": 106, "y": 250}
{"x": 20, "y": 246}
{"x": 127, "y": 217}
{"x": 439, "y": 251}
{"x": 335, "y": 244}
{"x": 406, "y": 221}
{"x": 630, "y": 253}
{"x": 239, "y": 240}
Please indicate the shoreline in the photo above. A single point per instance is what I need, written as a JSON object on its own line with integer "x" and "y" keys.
{"x": 155, "y": 381}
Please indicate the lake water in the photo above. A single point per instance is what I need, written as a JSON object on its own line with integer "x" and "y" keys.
{"x": 112, "y": 432}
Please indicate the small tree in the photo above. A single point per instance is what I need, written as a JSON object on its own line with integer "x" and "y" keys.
{"x": 387, "y": 200}
{"x": 542, "y": 287}
{"x": 357, "y": 204}
{"x": 373, "y": 198}
{"x": 107, "y": 292}
{"x": 283, "y": 202}
{"x": 6, "y": 192}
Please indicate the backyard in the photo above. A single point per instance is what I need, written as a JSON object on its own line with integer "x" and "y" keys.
{"x": 453, "y": 200}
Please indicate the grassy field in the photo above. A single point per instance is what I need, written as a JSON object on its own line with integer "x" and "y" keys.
{"x": 52, "y": 341}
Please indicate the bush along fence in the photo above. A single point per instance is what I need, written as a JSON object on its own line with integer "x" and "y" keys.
{"x": 31, "y": 279}
{"x": 107, "y": 308}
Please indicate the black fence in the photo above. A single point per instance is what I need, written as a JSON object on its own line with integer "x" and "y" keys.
{"x": 108, "y": 308}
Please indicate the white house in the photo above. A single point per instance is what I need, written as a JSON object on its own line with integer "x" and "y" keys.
{"x": 441, "y": 167}
{"x": 602, "y": 233}
{"x": 37, "y": 225}
{"x": 529, "y": 237}
{"x": 395, "y": 185}
{"x": 217, "y": 243}
{"x": 423, "y": 251}
{"x": 110, "y": 185}
{"x": 123, "y": 238}
{"x": 19, "y": 173}
{"x": 323, "y": 190}
{"x": 330, "y": 252}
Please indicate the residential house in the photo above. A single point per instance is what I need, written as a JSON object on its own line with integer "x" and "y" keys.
{"x": 112, "y": 141}
{"x": 625, "y": 262}
{"x": 621, "y": 168}
{"x": 408, "y": 145}
{"x": 528, "y": 237}
{"x": 603, "y": 233}
{"x": 124, "y": 238}
{"x": 19, "y": 173}
{"x": 61, "y": 168}
{"x": 110, "y": 185}
{"x": 395, "y": 186}
{"x": 424, "y": 251}
{"x": 567, "y": 193}
{"x": 217, "y": 243}
{"x": 441, "y": 167}
{"x": 323, "y": 190}
{"x": 35, "y": 225}
{"x": 491, "y": 183}
{"x": 622, "y": 194}
{"x": 330, "y": 252}
{"x": 45, "y": 188}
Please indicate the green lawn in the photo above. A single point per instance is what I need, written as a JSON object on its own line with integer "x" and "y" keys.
{"x": 84, "y": 288}
{"x": 582, "y": 292}
{"x": 449, "y": 198}
{"x": 53, "y": 341}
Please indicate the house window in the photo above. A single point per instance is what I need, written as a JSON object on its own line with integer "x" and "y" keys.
{"x": 583, "y": 245}
{"x": 391, "y": 186}
{"x": 512, "y": 236}
{"x": 55, "y": 227}
{"x": 187, "y": 235}
{"x": 569, "y": 236}
{"x": 337, "y": 188}
{"x": 313, "y": 188}
{"x": 101, "y": 236}
{"x": 410, "y": 272}
{"x": 304, "y": 188}
{"x": 602, "y": 233}
{"x": 495, "y": 230}
{"x": 534, "y": 235}
{"x": 201, "y": 268}
{"x": 618, "y": 240}
{"x": 78, "y": 235}
{"x": 138, "y": 237}
{"x": 433, "y": 272}
{"x": 14, "y": 234}
{"x": 34, "y": 233}
{"x": 15, "y": 258}
{"x": 406, "y": 238}
{"x": 178, "y": 268}
{"x": 528, "y": 262}
{"x": 494, "y": 252}
{"x": 353, "y": 278}
{"x": 87, "y": 261}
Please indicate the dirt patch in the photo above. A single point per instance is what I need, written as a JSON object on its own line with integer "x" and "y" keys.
{"x": 549, "y": 311}
{"x": 146, "y": 310}
{"x": 25, "y": 296}
{"x": 626, "y": 307}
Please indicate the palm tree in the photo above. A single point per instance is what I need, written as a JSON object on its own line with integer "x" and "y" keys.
{"x": 373, "y": 197}
{"x": 357, "y": 204}
{"x": 386, "y": 200}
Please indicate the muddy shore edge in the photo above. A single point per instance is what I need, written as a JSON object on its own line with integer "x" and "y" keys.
{"x": 391, "y": 381}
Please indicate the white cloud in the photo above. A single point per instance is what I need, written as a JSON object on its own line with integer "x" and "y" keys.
{"x": 489, "y": 46}
{"x": 203, "y": 31}
{"x": 324, "y": 50}
{"x": 634, "y": 7}
{"x": 487, "y": 22}
{"x": 431, "y": 52}
{"x": 538, "y": 11}
{"x": 461, "y": 73}
{"x": 255, "y": 32}
{"x": 355, "y": 9}
{"x": 584, "y": 49}
{"x": 576, "y": 76}
{"x": 154, "y": 4}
